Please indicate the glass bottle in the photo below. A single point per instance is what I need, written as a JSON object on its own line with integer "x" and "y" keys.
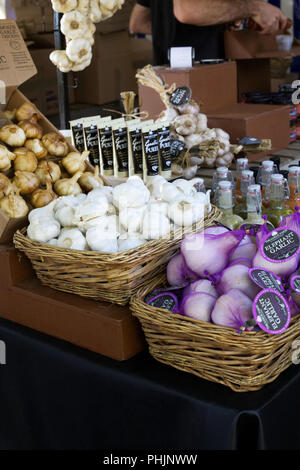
{"x": 254, "y": 208}
{"x": 225, "y": 202}
{"x": 266, "y": 170}
{"x": 222, "y": 173}
{"x": 247, "y": 178}
{"x": 279, "y": 193}
{"x": 241, "y": 165}
{"x": 294, "y": 187}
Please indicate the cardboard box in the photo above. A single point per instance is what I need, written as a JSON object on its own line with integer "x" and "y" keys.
{"x": 116, "y": 58}
{"x": 16, "y": 66}
{"x": 252, "y": 45}
{"x": 276, "y": 82}
{"x": 253, "y": 75}
{"x": 100, "y": 327}
{"x": 33, "y": 16}
{"x": 254, "y": 120}
{"x": 215, "y": 86}
{"x": 42, "y": 88}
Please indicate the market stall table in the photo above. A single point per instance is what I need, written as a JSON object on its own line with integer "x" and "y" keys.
{"x": 56, "y": 396}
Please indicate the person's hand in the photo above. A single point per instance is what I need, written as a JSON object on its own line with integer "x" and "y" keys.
{"x": 270, "y": 19}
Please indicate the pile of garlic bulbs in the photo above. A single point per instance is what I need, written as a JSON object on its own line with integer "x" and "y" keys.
{"x": 78, "y": 26}
{"x": 190, "y": 126}
{"x": 116, "y": 219}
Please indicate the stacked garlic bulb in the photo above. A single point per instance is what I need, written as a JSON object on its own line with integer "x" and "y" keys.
{"x": 122, "y": 218}
{"x": 190, "y": 126}
{"x": 78, "y": 26}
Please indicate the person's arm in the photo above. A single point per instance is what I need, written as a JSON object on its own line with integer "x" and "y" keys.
{"x": 210, "y": 12}
{"x": 140, "y": 20}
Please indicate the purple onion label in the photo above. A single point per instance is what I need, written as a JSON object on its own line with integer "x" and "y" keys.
{"x": 166, "y": 300}
{"x": 266, "y": 279}
{"x": 271, "y": 311}
{"x": 180, "y": 96}
{"x": 295, "y": 283}
{"x": 280, "y": 245}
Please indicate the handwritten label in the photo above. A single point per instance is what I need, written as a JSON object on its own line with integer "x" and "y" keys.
{"x": 271, "y": 311}
{"x": 280, "y": 245}
{"x": 180, "y": 96}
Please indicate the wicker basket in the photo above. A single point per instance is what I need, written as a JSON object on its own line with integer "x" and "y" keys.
{"x": 109, "y": 277}
{"x": 244, "y": 362}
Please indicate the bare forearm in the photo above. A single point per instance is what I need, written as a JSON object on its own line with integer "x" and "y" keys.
{"x": 140, "y": 20}
{"x": 210, "y": 12}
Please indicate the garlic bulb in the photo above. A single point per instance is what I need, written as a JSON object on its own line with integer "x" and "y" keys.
{"x": 89, "y": 181}
{"x": 64, "y": 6}
{"x": 27, "y": 111}
{"x": 78, "y": 67}
{"x": 75, "y": 162}
{"x": 155, "y": 207}
{"x": 130, "y": 241}
{"x": 5, "y": 158}
{"x": 168, "y": 114}
{"x": 74, "y": 25}
{"x": 193, "y": 139}
{"x": 225, "y": 160}
{"x": 169, "y": 192}
{"x": 222, "y": 135}
{"x": 42, "y": 197}
{"x": 154, "y": 228}
{"x": 189, "y": 108}
{"x": 68, "y": 186}
{"x": 104, "y": 241}
{"x": 90, "y": 210}
{"x": 12, "y": 135}
{"x": 201, "y": 123}
{"x": 95, "y": 13}
{"x": 5, "y": 186}
{"x": 43, "y": 230}
{"x": 79, "y": 50}
{"x": 14, "y": 205}
{"x": 26, "y": 181}
{"x": 186, "y": 211}
{"x": 130, "y": 195}
{"x": 52, "y": 242}
{"x": 155, "y": 185}
{"x": 132, "y": 218}
{"x": 72, "y": 239}
{"x": 56, "y": 144}
{"x": 185, "y": 124}
{"x": 69, "y": 201}
{"x": 32, "y": 129}
{"x": 45, "y": 212}
{"x": 185, "y": 187}
{"x": 47, "y": 169}
{"x": 83, "y": 6}
{"x": 61, "y": 61}
{"x": 25, "y": 160}
{"x": 36, "y": 146}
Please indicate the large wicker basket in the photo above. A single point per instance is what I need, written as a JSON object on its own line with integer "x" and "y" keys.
{"x": 244, "y": 362}
{"x": 109, "y": 277}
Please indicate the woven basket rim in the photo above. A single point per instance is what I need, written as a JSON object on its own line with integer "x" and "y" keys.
{"x": 20, "y": 235}
{"x": 163, "y": 314}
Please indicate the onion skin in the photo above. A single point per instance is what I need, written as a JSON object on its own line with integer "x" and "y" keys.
{"x": 178, "y": 273}
{"x": 198, "y": 305}
{"x": 237, "y": 277}
{"x": 232, "y": 310}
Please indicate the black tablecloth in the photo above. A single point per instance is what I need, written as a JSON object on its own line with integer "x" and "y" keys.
{"x": 56, "y": 396}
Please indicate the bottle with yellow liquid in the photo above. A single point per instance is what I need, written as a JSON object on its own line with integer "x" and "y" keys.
{"x": 294, "y": 187}
{"x": 254, "y": 209}
{"x": 279, "y": 194}
{"x": 242, "y": 164}
{"x": 225, "y": 202}
{"x": 247, "y": 178}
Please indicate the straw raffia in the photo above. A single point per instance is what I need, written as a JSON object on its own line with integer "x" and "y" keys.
{"x": 109, "y": 277}
{"x": 243, "y": 362}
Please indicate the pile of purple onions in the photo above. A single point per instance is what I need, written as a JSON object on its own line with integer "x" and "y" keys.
{"x": 209, "y": 279}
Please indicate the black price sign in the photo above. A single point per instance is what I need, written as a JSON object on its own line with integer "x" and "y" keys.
{"x": 280, "y": 245}
{"x": 265, "y": 279}
{"x": 180, "y": 96}
{"x": 167, "y": 301}
{"x": 271, "y": 311}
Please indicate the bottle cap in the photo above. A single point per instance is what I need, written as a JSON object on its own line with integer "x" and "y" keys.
{"x": 267, "y": 164}
{"x": 222, "y": 169}
{"x": 254, "y": 188}
{"x": 242, "y": 162}
{"x": 225, "y": 185}
{"x": 277, "y": 178}
{"x": 294, "y": 169}
{"x": 248, "y": 174}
